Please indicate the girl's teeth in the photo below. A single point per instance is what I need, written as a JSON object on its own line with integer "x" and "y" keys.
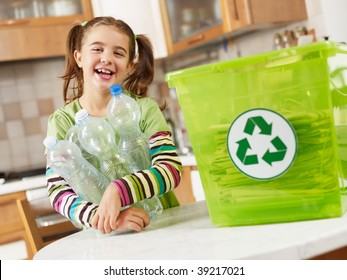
{"x": 104, "y": 71}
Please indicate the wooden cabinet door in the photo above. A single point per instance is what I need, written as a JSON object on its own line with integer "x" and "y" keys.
{"x": 236, "y": 14}
{"x": 190, "y": 23}
{"x": 41, "y": 37}
{"x": 31, "y": 43}
{"x": 277, "y": 11}
{"x": 258, "y": 14}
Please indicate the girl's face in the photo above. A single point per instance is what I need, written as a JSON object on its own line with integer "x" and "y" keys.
{"x": 104, "y": 58}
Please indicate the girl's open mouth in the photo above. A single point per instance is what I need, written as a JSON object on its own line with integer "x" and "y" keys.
{"x": 104, "y": 73}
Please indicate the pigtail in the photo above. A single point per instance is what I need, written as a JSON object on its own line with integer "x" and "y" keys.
{"x": 72, "y": 71}
{"x": 142, "y": 73}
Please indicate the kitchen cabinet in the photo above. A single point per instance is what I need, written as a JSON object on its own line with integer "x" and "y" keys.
{"x": 11, "y": 226}
{"x": 38, "y": 28}
{"x": 184, "y": 191}
{"x": 190, "y": 188}
{"x": 191, "y": 23}
{"x": 144, "y": 17}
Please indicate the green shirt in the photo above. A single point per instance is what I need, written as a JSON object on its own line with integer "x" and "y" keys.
{"x": 151, "y": 121}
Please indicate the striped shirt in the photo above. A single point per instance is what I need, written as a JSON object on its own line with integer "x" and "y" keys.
{"x": 160, "y": 179}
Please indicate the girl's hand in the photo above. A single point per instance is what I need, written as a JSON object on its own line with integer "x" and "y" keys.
{"x": 132, "y": 218}
{"x": 105, "y": 217}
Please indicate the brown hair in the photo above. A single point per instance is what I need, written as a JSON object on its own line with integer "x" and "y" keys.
{"x": 142, "y": 72}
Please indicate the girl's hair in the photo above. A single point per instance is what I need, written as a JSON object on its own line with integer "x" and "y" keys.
{"x": 141, "y": 75}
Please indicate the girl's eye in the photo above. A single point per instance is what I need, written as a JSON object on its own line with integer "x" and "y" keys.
{"x": 96, "y": 49}
{"x": 119, "y": 54}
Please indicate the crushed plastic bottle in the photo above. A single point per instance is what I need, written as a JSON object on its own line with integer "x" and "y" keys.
{"x": 72, "y": 135}
{"x": 97, "y": 137}
{"x": 124, "y": 114}
{"x": 65, "y": 158}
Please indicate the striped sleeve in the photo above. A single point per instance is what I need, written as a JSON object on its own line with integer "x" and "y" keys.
{"x": 66, "y": 202}
{"x": 162, "y": 177}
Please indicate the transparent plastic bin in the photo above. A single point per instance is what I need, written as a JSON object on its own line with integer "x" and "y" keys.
{"x": 294, "y": 170}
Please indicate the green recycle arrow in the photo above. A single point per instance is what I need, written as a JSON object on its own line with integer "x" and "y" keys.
{"x": 270, "y": 157}
{"x": 242, "y": 150}
{"x": 264, "y": 127}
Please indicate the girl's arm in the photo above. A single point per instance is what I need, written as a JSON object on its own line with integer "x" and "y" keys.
{"x": 162, "y": 177}
{"x": 66, "y": 202}
{"x": 62, "y": 197}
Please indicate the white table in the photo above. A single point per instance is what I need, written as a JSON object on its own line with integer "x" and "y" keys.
{"x": 186, "y": 232}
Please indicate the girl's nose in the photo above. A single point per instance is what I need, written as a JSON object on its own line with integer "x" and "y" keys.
{"x": 105, "y": 60}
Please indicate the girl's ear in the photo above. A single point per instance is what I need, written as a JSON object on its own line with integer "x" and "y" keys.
{"x": 130, "y": 66}
{"x": 77, "y": 57}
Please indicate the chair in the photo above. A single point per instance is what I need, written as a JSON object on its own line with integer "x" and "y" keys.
{"x": 53, "y": 226}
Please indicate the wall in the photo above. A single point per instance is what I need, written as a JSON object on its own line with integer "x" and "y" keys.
{"x": 29, "y": 92}
{"x": 334, "y": 13}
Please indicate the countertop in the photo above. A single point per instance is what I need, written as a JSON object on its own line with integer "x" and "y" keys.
{"x": 25, "y": 184}
{"x": 188, "y": 160}
{"x": 185, "y": 232}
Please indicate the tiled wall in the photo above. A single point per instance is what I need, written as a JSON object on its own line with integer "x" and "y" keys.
{"x": 29, "y": 92}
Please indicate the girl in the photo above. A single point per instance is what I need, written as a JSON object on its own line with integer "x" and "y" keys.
{"x": 100, "y": 53}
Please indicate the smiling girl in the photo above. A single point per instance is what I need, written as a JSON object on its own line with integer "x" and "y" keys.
{"x": 101, "y": 53}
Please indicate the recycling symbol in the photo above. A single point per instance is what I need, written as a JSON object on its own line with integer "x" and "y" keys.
{"x": 265, "y": 129}
{"x": 262, "y": 144}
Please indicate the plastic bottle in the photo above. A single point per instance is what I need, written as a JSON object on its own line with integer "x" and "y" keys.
{"x": 72, "y": 135}
{"x": 124, "y": 114}
{"x": 97, "y": 137}
{"x": 65, "y": 158}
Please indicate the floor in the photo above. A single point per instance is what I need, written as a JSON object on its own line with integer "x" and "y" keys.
{"x": 13, "y": 251}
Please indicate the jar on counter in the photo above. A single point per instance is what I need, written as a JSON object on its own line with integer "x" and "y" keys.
{"x": 20, "y": 9}
{"x": 63, "y": 7}
{"x": 2, "y": 11}
{"x": 38, "y": 8}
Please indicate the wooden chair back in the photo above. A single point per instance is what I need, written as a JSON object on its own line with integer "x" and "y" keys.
{"x": 36, "y": 237}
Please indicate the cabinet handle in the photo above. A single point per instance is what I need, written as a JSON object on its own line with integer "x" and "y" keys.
{"x": 196, "y": 39}
{"x": 236, "y": 10}
{"x": 13, "y": 22}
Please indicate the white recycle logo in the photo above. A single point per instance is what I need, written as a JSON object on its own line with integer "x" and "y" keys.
{"x": 262, "y": 144}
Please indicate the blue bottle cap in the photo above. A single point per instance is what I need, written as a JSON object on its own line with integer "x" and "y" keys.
{"x": 116, "y": 89}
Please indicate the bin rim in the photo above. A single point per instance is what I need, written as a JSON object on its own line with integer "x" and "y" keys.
{"x": 266, "y": 57}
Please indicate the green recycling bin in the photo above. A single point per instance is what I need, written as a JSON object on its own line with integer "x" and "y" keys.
{"x": 269, "y": 133}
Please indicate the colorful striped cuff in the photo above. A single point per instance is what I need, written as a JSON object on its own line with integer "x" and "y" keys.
{"x": 122, "y": 192}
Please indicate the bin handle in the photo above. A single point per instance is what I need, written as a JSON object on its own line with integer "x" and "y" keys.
{"x": 333, "y": 74}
